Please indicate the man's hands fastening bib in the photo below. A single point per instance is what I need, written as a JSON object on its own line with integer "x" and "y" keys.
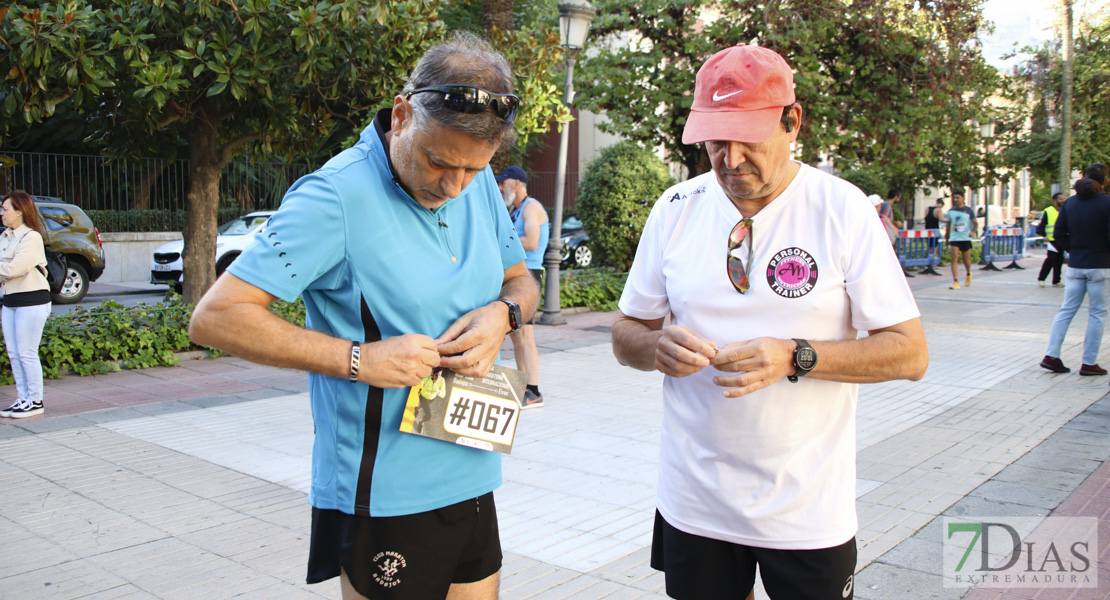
{"x": 748, "y": 366}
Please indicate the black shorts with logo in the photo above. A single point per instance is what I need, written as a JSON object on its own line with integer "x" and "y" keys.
{"x": 410, "y": 557}
{"x": 700, "y": 568}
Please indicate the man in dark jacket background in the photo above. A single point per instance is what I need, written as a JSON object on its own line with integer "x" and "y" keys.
{"x": 1083, "y": 231}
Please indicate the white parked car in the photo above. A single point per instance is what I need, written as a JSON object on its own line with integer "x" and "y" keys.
{"x": 231, "y": 238}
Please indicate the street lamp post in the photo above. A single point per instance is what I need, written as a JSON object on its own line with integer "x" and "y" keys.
{"x": 574, "y": 26}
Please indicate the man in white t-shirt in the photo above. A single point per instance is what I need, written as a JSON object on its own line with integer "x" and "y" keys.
{"x": 768, "y": 269}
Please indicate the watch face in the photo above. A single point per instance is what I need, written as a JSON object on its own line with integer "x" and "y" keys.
{"x": 806, "y": 358}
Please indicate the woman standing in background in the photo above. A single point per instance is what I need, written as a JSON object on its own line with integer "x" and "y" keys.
{"x": 26, "y": 300}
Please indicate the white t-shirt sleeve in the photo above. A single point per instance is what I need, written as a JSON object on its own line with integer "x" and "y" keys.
{"x": 876, "y": 285}
{"x": 645, "y": 292}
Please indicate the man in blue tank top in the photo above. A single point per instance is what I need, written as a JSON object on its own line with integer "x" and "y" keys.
{"x": 530, "y": 220}
{"x": 406, "y": 260}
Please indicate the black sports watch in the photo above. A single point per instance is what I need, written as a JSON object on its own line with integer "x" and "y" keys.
{"x": 805, "y": 358}
{"x": 515, "y": 317}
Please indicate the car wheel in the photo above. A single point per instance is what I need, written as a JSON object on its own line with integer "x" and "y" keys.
{"x": 224, "y": 262}
{"x": 582, "y": 256}
{"x": 74, "y": 287}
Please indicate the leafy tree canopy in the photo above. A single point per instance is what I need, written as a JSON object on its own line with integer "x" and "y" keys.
{"x": 211, "y": 76}
{"x": 1035, "y": 94}
{"x": 884, "y": 84}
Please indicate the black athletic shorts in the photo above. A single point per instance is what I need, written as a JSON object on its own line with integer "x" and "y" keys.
{"x": 410, "y": 557}
{"x": 964, "y": 246}
{"x": 700, "y": 568}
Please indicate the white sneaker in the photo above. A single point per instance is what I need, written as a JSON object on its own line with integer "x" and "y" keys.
{"x": 7, "y": 412}
{"x": 1040, "y": 282}
{"x": 25, "y": 409}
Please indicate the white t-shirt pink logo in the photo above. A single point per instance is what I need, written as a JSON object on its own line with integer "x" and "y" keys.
{"x": 792, "y": 273}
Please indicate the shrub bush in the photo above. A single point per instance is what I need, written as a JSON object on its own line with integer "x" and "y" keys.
{"x": 599, "y": 289}
{"x": 89, "y": 341}
{"x": 615, "y": 197}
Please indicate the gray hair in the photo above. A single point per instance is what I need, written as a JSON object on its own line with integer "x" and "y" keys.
{"x": 462, "y": 59}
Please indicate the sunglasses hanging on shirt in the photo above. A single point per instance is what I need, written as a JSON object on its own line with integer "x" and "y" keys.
{"x": 737, "y": 271}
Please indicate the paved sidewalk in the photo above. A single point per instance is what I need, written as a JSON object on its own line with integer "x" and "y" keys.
{"x": 190, "y": 482}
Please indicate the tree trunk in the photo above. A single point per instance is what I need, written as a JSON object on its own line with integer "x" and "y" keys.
{"x": 199, "y": 254}
{"x": 1066, "y": 120}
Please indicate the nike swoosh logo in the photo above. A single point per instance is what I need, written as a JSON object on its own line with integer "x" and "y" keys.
{"x": 717, "y": 97}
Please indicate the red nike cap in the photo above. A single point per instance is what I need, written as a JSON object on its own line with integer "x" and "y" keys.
{"x": 739, "y": 95}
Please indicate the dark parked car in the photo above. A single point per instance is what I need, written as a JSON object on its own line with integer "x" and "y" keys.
{"x": 576, "y": 248}
{"x": 70, "y": 231}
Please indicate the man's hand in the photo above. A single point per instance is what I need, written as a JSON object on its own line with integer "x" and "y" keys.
{"x": 471, "y": 344}
{"x": 396, "y": 362}
{"x": 759, "y": 362}
{"x": 681, "y": 352}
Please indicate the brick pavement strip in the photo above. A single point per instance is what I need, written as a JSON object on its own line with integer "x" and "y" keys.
{"x": 203, "y": 497}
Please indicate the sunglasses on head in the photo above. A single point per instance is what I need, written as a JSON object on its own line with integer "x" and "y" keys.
{"x": 737, "y": 274}
{"x": 473, "y": 100}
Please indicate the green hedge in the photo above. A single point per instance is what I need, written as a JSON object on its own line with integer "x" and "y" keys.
{"x": 90, "y": 341}
{"x": 150, "y": 220}
{"x": 599, "y": 289}
{"x": 101, "y": 339}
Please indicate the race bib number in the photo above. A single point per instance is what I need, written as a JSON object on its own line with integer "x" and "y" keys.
{"x": 961, "y": 227}
{"x": 479, "y": 412}
{"x": 481, "y": 416}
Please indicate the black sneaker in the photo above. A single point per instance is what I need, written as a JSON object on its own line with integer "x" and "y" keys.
{"x": 531, "y": 400}
{"x": 25, "y": 409}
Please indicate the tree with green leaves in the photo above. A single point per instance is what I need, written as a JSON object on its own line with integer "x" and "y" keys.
{"x": 1036, "y": 103}
{"x": 885, "y": 86}
{"x": 220, "y": 76}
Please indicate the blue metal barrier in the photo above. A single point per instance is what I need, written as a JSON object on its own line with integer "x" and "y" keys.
{"x": 1032, "y": 240}
{"x": 1003, "y": 243}
{"x": 919, "y": 248}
